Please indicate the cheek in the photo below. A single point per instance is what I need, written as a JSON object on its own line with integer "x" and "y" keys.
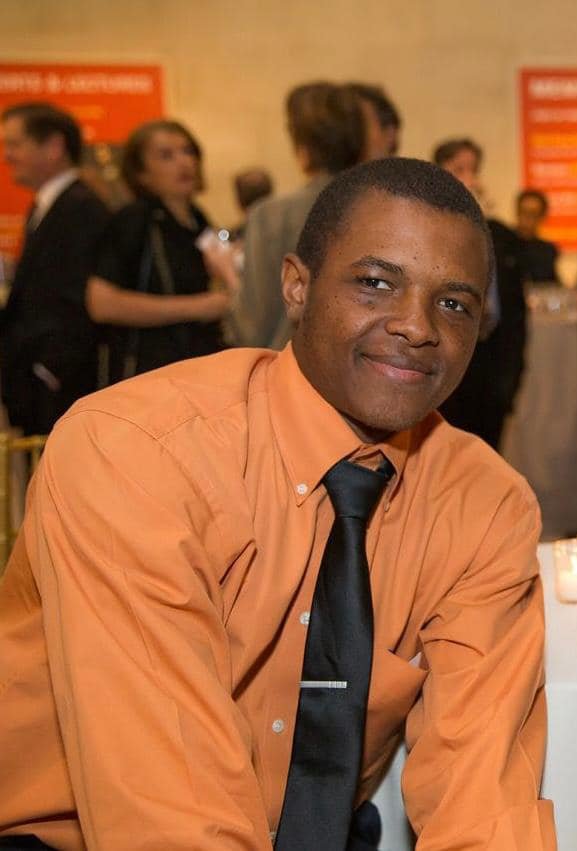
{"x": 329, "y": 329}
{"x": 459, "y": 349}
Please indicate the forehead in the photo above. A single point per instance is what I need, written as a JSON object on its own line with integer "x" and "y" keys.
{"x": 166, "y": 139}
{"x": 14, "y": 127}
{"x": 465, "y": 158}
{"x": 411, "y": 234}
{"x": 530, "y": 202}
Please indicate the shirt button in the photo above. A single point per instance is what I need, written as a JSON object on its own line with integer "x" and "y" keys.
{"x": 304, "y": 618}
{"x": 302, "y": 489}
{"x": 278, "y": 725}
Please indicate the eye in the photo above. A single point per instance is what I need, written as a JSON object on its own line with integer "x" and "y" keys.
{"x": 376, "y": 283}
{"x": 454, "y": 305}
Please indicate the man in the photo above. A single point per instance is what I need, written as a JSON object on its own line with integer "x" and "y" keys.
{"x": 539, "y": 256}
{"x": 326, "y": 127}
{"x": 49, "y": 349}
{"x": 161, "y": 612}
{"x": 382, "y": 122}
{"x": 487, "y": 392}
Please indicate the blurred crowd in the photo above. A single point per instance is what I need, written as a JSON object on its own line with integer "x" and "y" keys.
{"x": 127, "y": 273}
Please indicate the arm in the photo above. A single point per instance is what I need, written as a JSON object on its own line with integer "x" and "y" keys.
{"x": 477, "y": 735}
{"x": 107, "y": 303}
{"x": 158, "y": 754}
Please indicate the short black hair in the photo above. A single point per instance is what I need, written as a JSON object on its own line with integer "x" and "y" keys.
{"x": 534, "y": 193}
{"x": 449, "y": 149}
{"x": 132, "y": 163}
{"x": 401, "y": 177}
{"x": 385, "y": 110}
{"x": 43, "y": 120}
{"x": 326, "y": 120}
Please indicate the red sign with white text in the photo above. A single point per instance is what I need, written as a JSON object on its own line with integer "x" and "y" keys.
{"x": 549, "y": 140}
{"x": 108, "y": 101}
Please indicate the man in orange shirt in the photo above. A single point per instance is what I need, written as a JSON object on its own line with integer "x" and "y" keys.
{"x": 155, "y": 611}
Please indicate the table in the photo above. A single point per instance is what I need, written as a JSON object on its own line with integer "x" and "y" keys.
{"x": 560, "y": 777}
{"x": 540, "y": 440}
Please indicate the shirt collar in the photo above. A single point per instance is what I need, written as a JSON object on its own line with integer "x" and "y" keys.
{"x": 312, "y": 436}
{"x": 49, "y": 192}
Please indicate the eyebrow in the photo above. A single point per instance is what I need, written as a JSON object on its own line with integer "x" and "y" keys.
{"x": 458, "y": 287}
{"x": 371, "y": 261}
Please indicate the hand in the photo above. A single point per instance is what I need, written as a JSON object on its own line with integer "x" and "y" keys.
{"x": 219, "y": 260}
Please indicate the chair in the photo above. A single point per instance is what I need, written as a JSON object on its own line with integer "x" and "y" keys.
{"x": 28, "y": 450}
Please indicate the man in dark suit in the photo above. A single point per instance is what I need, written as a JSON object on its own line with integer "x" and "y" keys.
{"x": 486, "y": 394}
{"x": 48, "y": 356}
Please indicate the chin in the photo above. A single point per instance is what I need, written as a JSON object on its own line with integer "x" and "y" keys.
{"x": 375, "y": 421}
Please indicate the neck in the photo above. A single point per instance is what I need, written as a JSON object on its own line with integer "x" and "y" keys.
{"x": 524, "y": 234}
{"x": 180, "y": 209}
{"x": 313, "y": 173}
{"x": 46, "y": 178}
{"x": 366, "y": 433}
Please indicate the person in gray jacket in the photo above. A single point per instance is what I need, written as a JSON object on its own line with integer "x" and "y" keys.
{"x": 326, "y": 125}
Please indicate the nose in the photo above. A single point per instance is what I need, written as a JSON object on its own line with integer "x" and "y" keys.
{"x": 412, "y": 317}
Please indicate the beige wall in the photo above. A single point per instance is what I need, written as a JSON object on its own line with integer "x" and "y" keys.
{"x": 451, "y": 65}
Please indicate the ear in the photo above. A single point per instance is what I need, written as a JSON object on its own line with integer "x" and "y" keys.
{"x": 295, "y": 279}
{"x": 55, "y": 147}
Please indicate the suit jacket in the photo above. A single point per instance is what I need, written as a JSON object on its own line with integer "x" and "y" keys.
{"x": 45, "y": 321}
{"x": 487, "y": 391}
{"x": 272, "y": 230}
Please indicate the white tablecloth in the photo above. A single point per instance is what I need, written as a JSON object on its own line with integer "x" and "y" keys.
{"x": 560, "y": 779}
{"x": 540, "y": 439}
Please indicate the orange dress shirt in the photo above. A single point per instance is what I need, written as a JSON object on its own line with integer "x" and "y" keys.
{"x": 153, "y": 619}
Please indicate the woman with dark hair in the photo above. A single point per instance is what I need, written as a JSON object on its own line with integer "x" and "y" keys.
{"x": 151, "y": 280}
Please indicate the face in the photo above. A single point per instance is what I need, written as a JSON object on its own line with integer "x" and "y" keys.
{"x": 171, "y": 168}
{"x": 379, "y": 141}
{"x": 31, "y": 163}
{"x": 465, "y": 167}
{"x": 530, "y": 214}
{"x": 387, "y": 328}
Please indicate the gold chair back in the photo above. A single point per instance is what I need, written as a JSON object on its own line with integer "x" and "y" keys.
{"x": 29, "y": 449}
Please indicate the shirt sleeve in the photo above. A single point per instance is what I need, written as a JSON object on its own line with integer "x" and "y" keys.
{"x": 158, "y": 753}
{"x": 477, "y": 734}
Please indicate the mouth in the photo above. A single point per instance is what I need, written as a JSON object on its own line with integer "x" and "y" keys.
{"x": 404, "y": 370}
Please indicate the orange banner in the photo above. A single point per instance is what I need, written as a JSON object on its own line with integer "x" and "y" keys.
{"x": 549, "y": 144}
{"x": 108, "y": 101}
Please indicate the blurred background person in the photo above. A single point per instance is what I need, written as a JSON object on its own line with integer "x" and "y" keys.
{"x": 382, "y": 122}
{"x": 486, "y": 394}
{"x": 151, "y": 278}
{"x": 539, "y": 256}
{"x": 48, "y": 344}
{"x": 250, "y": 186}
{"x": 327, "y": 129}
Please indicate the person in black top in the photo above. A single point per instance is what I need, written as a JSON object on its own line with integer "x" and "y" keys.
{"x": 539, "y": 256}
{"x": 151, "y": 279}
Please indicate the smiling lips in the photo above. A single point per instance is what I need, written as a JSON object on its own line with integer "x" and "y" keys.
{"x": 399, "y": 368}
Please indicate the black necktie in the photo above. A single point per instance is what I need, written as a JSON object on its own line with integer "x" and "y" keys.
{"x": 330, "y": 723}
